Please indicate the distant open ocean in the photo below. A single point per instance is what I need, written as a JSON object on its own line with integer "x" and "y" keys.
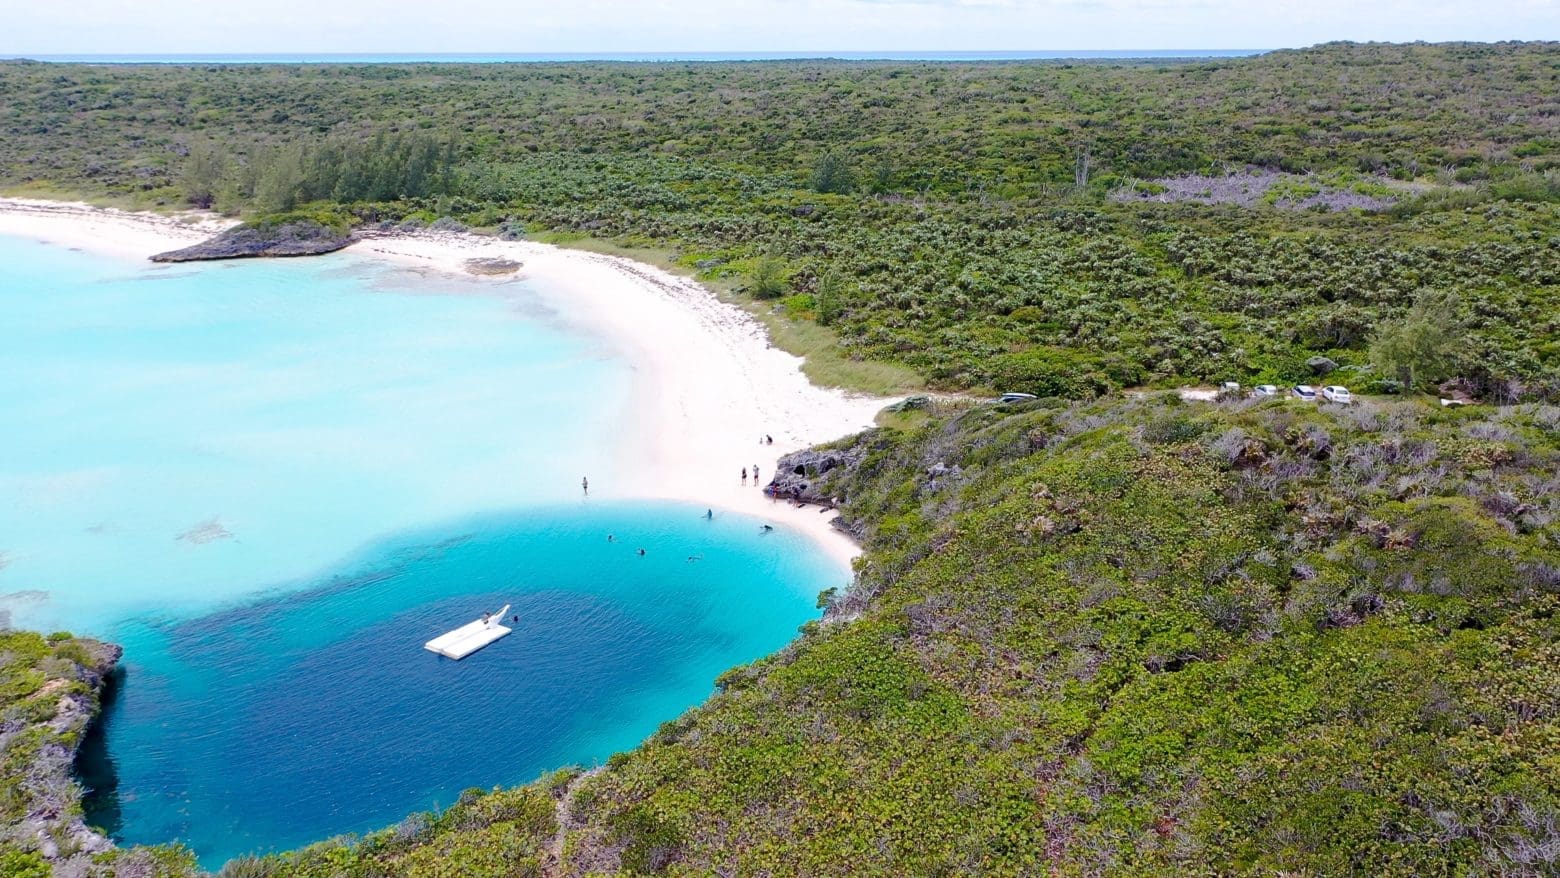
{"x": 638, "y": 57}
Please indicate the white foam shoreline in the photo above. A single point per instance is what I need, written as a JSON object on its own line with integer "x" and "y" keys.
{"x": 707, "y": 385}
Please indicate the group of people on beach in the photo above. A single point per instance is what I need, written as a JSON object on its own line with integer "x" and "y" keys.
{"x": 709, "y": 514}
{"x": 765, "y": 439}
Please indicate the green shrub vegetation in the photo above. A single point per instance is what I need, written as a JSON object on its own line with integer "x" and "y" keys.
{"x": 49, "y": 691}
{"x": 1151, "y": 637}
{"x": 35, "y": 673}
{"x": 1139, "y": 637}
{"x": 507, "y": 833}
{"x": 1122, "y": 637}
{"x": 951, "y": 219}
{"x": 1090, "y": 635}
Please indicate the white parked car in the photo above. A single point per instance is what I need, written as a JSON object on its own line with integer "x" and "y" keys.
{"x": 1305, "y": 392}
{"x": 1265, "y": 390}
{"x": 1334, "y": 393}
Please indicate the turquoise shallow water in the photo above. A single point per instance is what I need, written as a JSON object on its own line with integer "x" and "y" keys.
{"x": 272, "y": 481}
{"x": 180, "y": 436}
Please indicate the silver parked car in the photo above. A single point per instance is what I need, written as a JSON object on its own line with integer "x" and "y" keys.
{"x": 1265, "y": 390}
{"x": 1335, "y": 393}
{"x": 1305, "y": 392}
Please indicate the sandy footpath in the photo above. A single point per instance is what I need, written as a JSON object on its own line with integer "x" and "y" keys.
{"x": 707, "y": 383}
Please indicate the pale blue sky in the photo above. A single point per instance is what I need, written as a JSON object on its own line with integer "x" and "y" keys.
{"x": 170, "y": 26}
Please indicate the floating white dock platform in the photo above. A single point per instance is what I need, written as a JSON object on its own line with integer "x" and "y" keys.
{"x": 469, "y": 638}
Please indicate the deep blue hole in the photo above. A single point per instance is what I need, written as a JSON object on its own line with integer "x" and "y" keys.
{"x": 316, "y": 712}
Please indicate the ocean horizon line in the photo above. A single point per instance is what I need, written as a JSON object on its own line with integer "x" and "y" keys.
{"x": 640, "y": 57}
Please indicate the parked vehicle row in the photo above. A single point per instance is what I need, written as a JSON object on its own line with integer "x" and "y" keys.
{"x": 1332, "y": 392}
{"x": 1230, "y": 390}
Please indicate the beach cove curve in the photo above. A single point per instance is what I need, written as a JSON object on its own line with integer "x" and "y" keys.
{"x": 680, "y": 419}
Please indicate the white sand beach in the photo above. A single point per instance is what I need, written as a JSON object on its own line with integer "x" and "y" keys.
{"x": 708, "y": 385}
{"x": 112, "y": 232}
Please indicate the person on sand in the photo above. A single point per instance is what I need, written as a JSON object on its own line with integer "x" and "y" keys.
{"x": 585, "y": 484}
{"x": 744, "y": 475}
{"x": 755, "y": 474}
{"x": 768, "y": 439}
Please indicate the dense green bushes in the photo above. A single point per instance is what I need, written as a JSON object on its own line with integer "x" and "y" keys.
{"x": 958, "y": 211}
{"x": 1139, "y": 293}
{"x": 1116, "y": 638}
{"x": 1149, "y": 638}
{"x": 1007, "y": 131}
{"x": 499, "y": 833}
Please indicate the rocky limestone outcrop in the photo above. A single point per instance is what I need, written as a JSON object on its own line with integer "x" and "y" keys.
{"x": 801, "y": 475}
{"x": 818, "y": 477}
{"x": 1321, "y": 365}
{"x": 53, "y": 826}
{"x": 492, "y": 266}
{"x": 302, "y": 238}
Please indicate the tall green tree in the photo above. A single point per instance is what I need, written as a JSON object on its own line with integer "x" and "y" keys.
{"x": 280, "y": 179}
{"x": 203, "y": 173}
{"x": 829, "y": 289}
{"x": 768, "y": 279}
{"x": 1421, "y": 348}
{"x": 831, "y": 173}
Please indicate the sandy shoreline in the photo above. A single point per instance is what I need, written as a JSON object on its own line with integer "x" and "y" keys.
{"x": 707, "y": 383}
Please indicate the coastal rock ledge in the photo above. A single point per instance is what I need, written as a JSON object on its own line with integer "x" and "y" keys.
{"x": 300, "y": 238}
{"x": 52, "y": 692}
{"x": 801, "y": 475}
